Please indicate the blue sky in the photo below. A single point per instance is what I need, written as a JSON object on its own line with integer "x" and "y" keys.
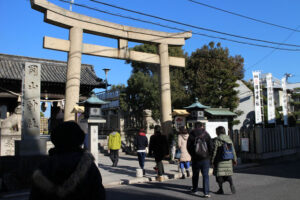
{"x": 23, "y": 29}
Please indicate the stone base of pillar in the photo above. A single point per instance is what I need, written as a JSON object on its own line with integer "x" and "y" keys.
{"x": 167, "y": 128}
{"x": 31, "y": 147}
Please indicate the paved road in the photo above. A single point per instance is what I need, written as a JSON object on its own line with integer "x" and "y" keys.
{"x": 271, "y": 182}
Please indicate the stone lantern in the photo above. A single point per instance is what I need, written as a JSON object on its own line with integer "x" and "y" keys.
{"x": 90, "y": 124}
{"x": 196, "y": 111}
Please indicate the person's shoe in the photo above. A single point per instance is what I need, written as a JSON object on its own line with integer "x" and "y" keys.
{"x": 144, "y": 172}
{"x": 160, "y": 178}
{"x": 207, "y": 196}
{"x": 193, "y": 191}
{"x": 220, "y": 191}
{"x": 188, "y": 173}
{"x": 183, "y": 176}
{"x": 233, "y": 191}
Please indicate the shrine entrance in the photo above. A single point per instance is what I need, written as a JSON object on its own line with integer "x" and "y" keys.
{"x": 79, "y": 24}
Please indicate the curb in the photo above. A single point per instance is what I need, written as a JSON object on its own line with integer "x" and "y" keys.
{"x": 143, "y": 180}
{"x": 14, "y": 195}
{"x": 170, "y": 176}
{"x": 149, "y": 179}
{"x": 246, "y": 166}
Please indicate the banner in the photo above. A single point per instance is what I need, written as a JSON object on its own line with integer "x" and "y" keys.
{"x": 257, "y": 100}
{"x": 179, "y": 121}
{"x": 271, "y": 105}
{"x": 284, "y": 101}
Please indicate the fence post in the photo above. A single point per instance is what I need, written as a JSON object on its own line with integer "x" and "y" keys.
{"x": 278, "y": 137}
{"x": 282, "y": 137}
{"x": 258, "y": 140}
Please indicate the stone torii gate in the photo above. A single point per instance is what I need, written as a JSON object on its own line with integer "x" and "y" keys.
{"x": 77, "y": 24}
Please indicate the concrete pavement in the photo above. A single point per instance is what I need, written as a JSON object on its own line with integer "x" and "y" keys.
{"x": 276, "y": 181}
{"x": 125, "y": 172}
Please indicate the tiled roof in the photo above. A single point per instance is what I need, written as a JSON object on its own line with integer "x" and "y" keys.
{"x": 180, "y": 112}
{"x": 52, "y": 70}
{"x": 197, "y": 104}
{"x": 219, "y": 112}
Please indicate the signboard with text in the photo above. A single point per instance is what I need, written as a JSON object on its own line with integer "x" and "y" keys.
{"x": 270, "y": 96}
{"x": 284, "y": 101}
{"x": 257, "y": 98}
{"x": 179, "y": 121}
{"x": 245, "y": 144}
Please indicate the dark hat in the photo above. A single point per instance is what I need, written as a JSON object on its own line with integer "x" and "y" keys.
{"x": 142, "y": 130}
{"x": 157, "y": 128}
{"x": 67, "y": 135}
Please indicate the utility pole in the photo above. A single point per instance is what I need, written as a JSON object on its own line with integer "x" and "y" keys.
{"x": 106, "y": 70}
{"x": 71, "y": 2}
{"x": 287, "y": 75}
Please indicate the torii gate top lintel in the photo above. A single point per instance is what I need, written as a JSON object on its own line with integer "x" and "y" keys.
{"x": 78, "y": 24}
{"x": 67, "y": 19}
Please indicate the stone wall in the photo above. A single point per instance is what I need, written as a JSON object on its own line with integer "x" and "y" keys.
{"x": 10, "y": 131}
{"x": 7, "y": 146}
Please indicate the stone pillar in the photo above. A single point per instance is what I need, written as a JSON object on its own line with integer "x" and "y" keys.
{"x": 165, "y": 90}
{"x": 73, "y": 73}
{"x": 30, "y": 143}
{"x": 3, "y": 111}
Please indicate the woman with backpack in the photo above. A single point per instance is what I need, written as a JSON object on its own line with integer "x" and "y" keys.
{"x": 223, "y": 158}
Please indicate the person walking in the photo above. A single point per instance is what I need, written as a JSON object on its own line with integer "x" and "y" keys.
{"x": 199, "y": 146}
{"x": 185, "y": 157}
{"x": 141, "y": 143}
{"x": 159, "y": 148}
{"x": 69, "y": 172}
{"x": 114, "y": 144}
{"x": 222, "y": 169}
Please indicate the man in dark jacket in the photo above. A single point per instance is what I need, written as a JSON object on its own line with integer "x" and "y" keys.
{"x": 141, "y": 142}
{"x": 200, "y": 162}
{"x": 159, "y": 147}
{"x": 70, "y": 172}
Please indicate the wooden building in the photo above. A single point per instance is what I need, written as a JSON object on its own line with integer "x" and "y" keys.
{"x": 53, "y": 79}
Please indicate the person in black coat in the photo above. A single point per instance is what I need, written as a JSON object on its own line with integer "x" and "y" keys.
{"x": 70, "y": 172}
{"x": 159, "y": 148}
{"x": 141, "y": 143}
{"x": 200, "y": 163}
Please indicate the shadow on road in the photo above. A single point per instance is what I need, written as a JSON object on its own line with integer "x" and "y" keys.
{"x": 154, "y": 191}
{"x": 286, "y": 169}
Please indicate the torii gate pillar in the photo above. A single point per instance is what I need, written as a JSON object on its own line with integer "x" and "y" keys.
{"x": 165, "y": 90}
{"x": 73, "y": 72}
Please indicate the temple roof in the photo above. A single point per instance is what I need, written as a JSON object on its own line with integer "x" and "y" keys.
{"x": 93, "y": 100}
{"x": 51, "y": 70}
{"x": 220, "y": 112}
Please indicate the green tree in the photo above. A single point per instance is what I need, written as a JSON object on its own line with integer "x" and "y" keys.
{"x": 143, "y": 90}
{"x": 212, "y": 74}
{"x": 296, "y": 104}
{"x": 141, "y": 93}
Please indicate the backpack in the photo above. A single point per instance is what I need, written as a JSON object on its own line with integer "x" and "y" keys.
{"x": 201, "y": 149}
{"x": 227, "y": 151}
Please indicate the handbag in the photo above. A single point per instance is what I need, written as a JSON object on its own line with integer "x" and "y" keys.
{"x": 177, "y": 154}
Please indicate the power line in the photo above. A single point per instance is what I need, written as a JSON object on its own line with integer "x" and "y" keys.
{"x": 193, "y": 26}
{"x": 246, "y": 17}
{"x": 271, "y": 52}
{"x": 179, "y": 29}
